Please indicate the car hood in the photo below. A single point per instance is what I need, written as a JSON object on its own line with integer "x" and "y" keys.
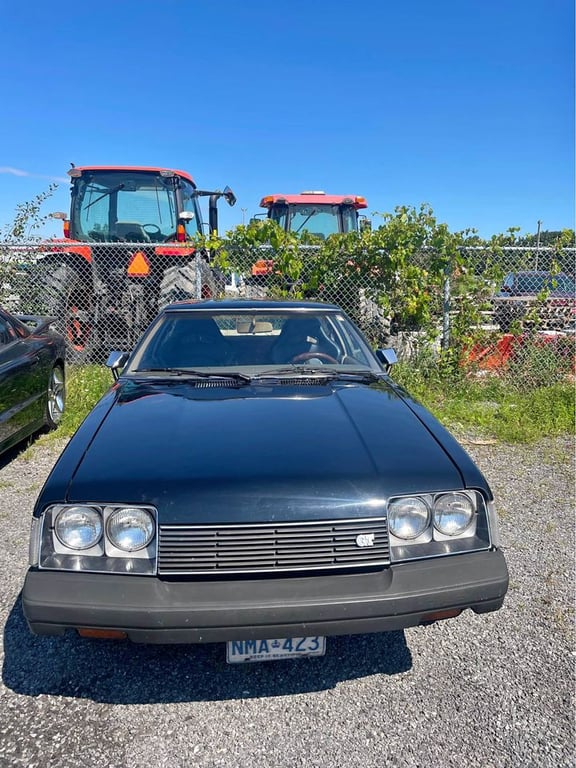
{"x": 261, "y": 452}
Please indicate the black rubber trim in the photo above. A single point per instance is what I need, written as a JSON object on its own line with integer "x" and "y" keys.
{"x": 155, "y": 611}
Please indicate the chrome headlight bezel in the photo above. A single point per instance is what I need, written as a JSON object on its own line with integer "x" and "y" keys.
{"x": 102, "y": 557}
{"x": 434, "y": 541}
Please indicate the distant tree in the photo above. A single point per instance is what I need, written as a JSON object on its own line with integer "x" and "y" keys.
{"x": 549, "y": 238}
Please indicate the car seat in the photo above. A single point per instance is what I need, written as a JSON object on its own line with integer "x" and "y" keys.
{"x": 303, "y": 336}
{"x": 131, "y": 232}
{"x": 193, "y": 342}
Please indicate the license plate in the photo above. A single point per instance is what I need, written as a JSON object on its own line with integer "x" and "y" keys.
{"x": 240, "y": 651}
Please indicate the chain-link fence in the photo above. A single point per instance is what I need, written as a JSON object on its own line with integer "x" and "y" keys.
{"x": 507, "y": 312}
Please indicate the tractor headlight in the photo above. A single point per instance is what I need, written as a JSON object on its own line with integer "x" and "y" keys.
{"x": 453, "y": 513}
{"x": 408, "y": 517}
{"x": 79, "y": 527}
{"x": 130, "y": 528}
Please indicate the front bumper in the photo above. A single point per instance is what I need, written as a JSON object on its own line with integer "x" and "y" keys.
{"x": 151, "y": 610}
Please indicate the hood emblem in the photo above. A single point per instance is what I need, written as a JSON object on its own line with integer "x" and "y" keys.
{"x": 365, "y": 540}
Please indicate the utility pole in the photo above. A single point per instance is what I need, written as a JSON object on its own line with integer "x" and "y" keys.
{"x": 538, "y": 242}
{"x": 243, "y": 215}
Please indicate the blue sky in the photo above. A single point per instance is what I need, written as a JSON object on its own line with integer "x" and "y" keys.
{"x": 467, "y": 105}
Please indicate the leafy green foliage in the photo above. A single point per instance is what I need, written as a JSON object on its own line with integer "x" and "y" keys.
{"x": 28, "y": 219}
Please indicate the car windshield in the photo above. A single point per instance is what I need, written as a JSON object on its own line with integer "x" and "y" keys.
{"x": 258, "y": 341}
{"x": 537, "y": 282}
{"x": 131, "y": 206}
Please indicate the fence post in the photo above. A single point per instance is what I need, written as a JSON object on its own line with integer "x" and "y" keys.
{"x": 446, "y": 305}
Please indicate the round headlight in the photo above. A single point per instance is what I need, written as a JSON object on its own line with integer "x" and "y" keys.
{"x": 453, "y": 513}
{"x": 408, "y": 518}
{"x": 79, "y": 527}
{"x": 130, "y": 528}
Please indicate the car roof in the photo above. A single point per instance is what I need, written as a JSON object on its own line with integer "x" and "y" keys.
{"x": 242, "y": 305}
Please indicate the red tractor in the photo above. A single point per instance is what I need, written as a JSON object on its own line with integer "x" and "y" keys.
{"x": 126, "y": 253}
{"x": 314, "y": 212}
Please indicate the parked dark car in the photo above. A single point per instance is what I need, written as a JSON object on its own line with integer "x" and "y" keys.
{"x": 32, "y": 383}
{"x": 255, "y": 476}
{"x": 538, "y": 298}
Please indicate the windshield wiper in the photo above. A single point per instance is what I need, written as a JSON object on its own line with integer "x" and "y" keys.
{"x": 108, "y": 192}
{"x": 235, "y": 375}
{"x": 318, "y": 373}
{"x": 313, "y": 212}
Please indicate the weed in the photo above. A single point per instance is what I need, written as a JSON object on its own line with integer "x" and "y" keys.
{"x": 493, "y": 406}
{"x": 85, "y": 385}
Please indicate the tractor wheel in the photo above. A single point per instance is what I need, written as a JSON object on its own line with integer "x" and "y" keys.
{"x": 194, "y": 280}
{"x": 64, "y": 294}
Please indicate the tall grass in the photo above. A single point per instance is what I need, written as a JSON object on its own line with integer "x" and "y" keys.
{"x": 85, "y": 385}
{"x": 494, "y": 407}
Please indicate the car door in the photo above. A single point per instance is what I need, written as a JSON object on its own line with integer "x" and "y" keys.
{"x": 22, "y": 383}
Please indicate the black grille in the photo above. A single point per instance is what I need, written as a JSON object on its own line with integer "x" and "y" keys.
{"x": 257, "y": 548}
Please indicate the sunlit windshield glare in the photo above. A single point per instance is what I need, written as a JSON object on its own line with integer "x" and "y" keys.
{"x": 254, "y": 340}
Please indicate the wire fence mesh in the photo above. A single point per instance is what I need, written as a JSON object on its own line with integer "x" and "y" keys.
{"x": 506, "y": 311}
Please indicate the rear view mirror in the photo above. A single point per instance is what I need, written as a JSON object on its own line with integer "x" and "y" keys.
{"x": 116, "y": 361}
{"x": 387, "y": 357}
{"x": 364, "y": 224}
{"x": 229, "y": 195}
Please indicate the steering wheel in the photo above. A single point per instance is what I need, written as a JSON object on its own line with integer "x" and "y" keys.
{"x": 151, "y": 229}
{"x": 309, "y": 355}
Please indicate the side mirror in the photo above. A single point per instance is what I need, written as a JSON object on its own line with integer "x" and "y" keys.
{"x": 364, "y": 224}
{"x": 387, "y": 357}
{"x": 116, "y": 361}
{"x": 229, "y": 195}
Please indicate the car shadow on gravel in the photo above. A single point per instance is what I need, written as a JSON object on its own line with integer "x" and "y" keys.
{"x": 126, "y": 673}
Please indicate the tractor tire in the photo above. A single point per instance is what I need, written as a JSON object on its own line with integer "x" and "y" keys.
{"x": 194, "y": 280}
{"x": 65, "y": 293}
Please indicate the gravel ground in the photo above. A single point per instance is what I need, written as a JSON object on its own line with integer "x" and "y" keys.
{"x": 492, "y": 690}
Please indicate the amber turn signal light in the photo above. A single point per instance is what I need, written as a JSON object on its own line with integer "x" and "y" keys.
{"x": 102, "y": 634}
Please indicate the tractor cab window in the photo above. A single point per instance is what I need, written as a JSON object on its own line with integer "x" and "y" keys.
{"x": 349, "y": 218}
{"x": 119, "y": 206}
{"x": 320, "y": 220}
{"x": 190, "y": 203}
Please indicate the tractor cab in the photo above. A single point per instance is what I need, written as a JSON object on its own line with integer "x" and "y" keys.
{"x": 136, "y": 205}
{"x": 317, "y": 213}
